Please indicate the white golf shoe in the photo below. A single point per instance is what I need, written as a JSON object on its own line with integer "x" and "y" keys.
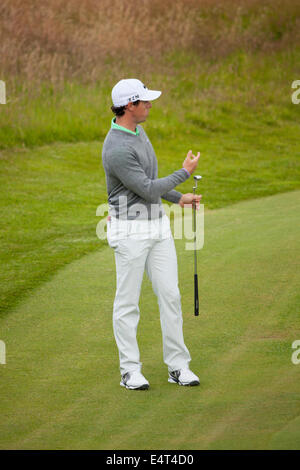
{"x": 134, "y": 381}
{"x": 183, "y": 377}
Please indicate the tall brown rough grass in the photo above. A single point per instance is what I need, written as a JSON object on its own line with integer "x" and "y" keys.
{"x": 80, "y": 39}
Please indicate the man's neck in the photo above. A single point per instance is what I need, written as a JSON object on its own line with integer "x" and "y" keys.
{"x": 125, "y": 122}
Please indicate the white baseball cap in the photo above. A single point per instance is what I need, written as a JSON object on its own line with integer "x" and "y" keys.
{"x": 130, "y": 90}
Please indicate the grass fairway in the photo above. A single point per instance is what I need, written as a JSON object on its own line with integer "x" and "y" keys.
{"x": 60, "y": 386}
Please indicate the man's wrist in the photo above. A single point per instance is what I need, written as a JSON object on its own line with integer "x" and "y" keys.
{"x": 186, "y": 171}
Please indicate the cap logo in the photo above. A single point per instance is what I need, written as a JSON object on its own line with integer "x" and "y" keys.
{"x": 134, "y": 97}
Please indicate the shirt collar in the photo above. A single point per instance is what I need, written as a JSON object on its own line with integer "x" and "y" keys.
{"x": 114, "y": 125}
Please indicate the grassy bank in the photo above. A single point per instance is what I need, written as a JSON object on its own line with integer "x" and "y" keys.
{"x": 83, "y": 39}
{"x": 199, "y": 97}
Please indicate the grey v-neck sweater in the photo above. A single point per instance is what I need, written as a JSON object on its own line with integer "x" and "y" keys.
{"x": 130, "y": 166}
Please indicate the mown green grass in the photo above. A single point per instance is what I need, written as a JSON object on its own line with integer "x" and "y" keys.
{"x": 48, "y": 205}
{"x": 60, "y": 386}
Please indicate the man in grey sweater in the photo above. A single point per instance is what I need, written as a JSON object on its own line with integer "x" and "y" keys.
{"x": 139, "y": 232}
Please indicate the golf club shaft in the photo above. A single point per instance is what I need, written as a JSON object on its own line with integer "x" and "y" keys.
{"x": 196, "y": 295}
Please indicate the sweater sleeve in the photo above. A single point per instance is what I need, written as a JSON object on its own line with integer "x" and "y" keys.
{"x": 125, "y": 166}
{"x": 172, "y": 196}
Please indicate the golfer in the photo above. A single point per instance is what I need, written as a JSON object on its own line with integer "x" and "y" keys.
{"x": 138, "y": 230}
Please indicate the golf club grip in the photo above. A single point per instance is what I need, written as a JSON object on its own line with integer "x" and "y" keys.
{"x": 196, "y": 296}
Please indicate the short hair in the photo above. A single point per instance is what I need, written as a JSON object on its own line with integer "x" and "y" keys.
{"x": 120, "y": 110}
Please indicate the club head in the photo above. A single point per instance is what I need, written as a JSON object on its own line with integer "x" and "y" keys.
{"x": 196, "y": 178}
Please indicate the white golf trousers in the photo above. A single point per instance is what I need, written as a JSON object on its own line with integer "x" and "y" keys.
{"x": 133, "y": 255}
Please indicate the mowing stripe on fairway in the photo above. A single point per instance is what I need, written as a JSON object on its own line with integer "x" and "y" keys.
{"x": 59, "y": 388}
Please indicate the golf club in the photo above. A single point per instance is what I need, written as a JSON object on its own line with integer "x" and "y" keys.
{"x": 196, "y": 295}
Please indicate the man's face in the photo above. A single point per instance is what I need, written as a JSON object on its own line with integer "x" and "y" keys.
{"x": 141, "y": 111}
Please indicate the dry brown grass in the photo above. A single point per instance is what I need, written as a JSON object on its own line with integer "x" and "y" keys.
{"x": 81, "y": 39}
